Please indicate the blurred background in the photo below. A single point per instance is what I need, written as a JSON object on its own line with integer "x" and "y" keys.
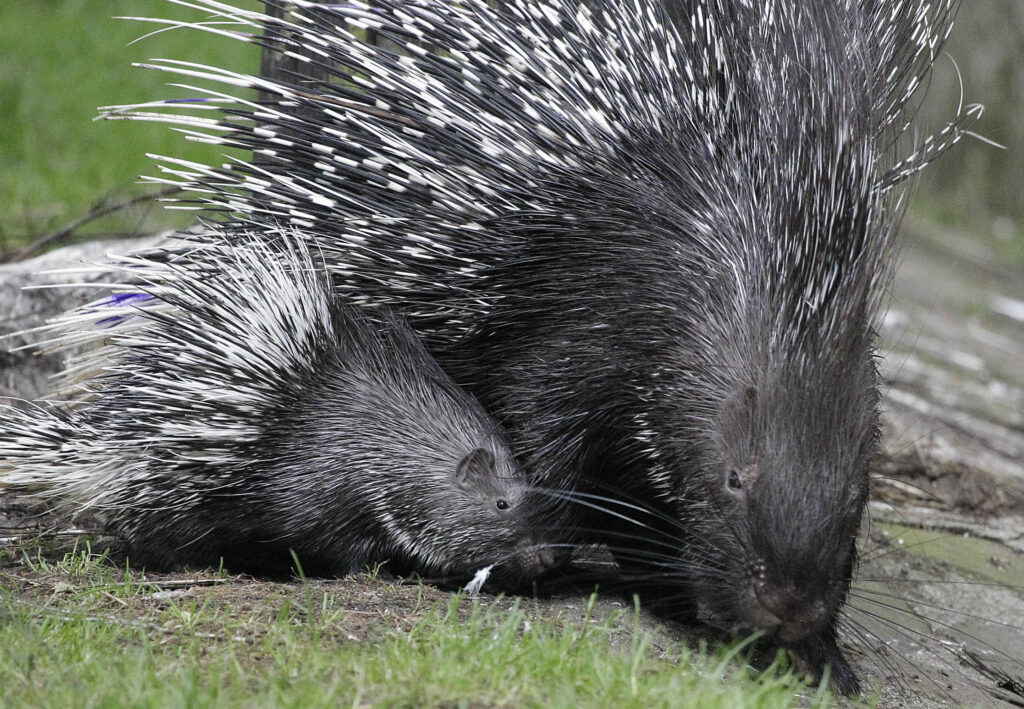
{"x": 61, "y": 59}
{"x": 977, "y": 187}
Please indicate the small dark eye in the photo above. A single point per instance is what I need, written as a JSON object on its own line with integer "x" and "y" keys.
{"x": 734, "y": 481}
{"x": 501, "y": 505}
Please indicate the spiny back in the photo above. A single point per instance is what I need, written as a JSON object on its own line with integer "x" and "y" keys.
{"x": 408, "y": 166}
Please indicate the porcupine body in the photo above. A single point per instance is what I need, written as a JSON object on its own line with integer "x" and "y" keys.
{"x": 651, "y": 238}
{"x": 246, "y": 412}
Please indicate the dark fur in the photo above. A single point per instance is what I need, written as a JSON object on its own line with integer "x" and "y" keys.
{"x": 609, "y": 364}
{"x": 653, "y": 342}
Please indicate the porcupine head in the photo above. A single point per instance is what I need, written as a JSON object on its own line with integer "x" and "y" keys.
{"x": 442, "y": 487}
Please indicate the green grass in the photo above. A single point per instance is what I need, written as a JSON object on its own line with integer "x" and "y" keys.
{"x": 90, "y": 634}
{"x": 61, "y": 60}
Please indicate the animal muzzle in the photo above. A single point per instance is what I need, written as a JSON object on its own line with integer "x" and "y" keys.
{"x": 785, "y": 611}
{"x": 537, "y": 559}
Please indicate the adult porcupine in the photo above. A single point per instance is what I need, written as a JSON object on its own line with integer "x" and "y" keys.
{"x": 667, "y": 242}
{"x": 246, "y": 412}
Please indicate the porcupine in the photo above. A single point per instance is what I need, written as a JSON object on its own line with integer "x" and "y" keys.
{"x": 246, "y": 412}
{"x": 651, "y": 238}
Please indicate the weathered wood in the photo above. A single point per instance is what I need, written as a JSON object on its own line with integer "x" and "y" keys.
{"x": 27, "y": 301}
{"x": 954, "y": 362}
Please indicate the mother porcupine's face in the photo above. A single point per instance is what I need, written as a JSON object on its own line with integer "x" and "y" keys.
{"x": 775, "y": 498}
{"x": 792, "y": 505}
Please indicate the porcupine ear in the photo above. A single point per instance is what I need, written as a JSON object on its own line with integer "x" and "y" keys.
{"x": 750, "y": 398}
{"x": 737, "y": 417}
{"x": 475, "y": 468}
{"x": 742, "y": 403}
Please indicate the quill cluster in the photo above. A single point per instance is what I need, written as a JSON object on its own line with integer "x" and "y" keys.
{"x": 238, "y": 411}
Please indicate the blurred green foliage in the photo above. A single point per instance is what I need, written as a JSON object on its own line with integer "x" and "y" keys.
{"x": 976, "y": 185}
{"x": 60, "y": 60}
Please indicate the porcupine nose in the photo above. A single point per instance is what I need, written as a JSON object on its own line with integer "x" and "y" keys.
{"x": 798, "y": 612}
{"x": 540, "y": 557}
{"x": 553, "y": 556}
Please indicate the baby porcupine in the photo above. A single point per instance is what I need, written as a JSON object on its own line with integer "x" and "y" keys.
{"x": 663, "y": 229}
{"x": 243, "y": 412}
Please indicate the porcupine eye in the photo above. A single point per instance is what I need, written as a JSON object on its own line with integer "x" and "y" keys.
{"x": 733, "y": 482}
{"x": 501, "y": 504}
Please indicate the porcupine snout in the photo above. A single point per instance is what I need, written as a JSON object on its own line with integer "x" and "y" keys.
{"x": 785, "y": 610}
{"x": 538, "y": 558}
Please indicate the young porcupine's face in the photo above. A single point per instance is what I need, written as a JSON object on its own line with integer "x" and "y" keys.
{"x": 495, "y": 504}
